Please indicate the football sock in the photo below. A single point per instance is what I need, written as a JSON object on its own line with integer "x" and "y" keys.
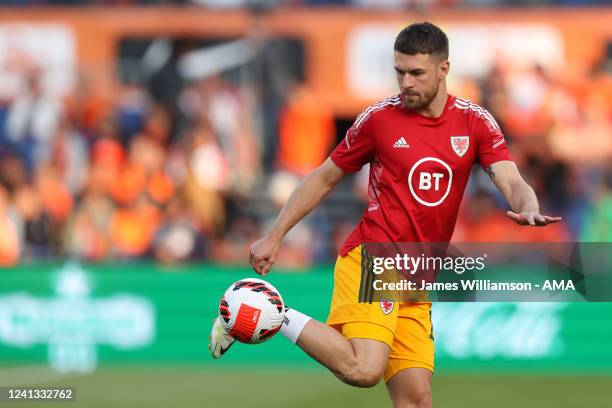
{"x": 293, "y": 324}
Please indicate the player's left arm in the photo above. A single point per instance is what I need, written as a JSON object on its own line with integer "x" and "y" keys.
{"x": 519, "y": 194}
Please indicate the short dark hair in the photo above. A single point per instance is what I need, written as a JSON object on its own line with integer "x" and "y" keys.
{"x": 422, "y": 38}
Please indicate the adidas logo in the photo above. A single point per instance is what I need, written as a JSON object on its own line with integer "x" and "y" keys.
{"x": 401, "y": 143}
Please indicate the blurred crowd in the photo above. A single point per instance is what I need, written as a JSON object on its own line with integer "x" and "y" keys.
{"x": 164, "y": 170}
{"x": 371, "y": 4}
{"x": 559, "y": 128}
{"x": 199, "y": 173}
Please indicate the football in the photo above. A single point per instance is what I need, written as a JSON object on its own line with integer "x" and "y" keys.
{"x": 252, "y": 310}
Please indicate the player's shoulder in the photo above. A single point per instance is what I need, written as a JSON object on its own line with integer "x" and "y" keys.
{"x": 473, "y": 112}
{"x": 382, "y": 105}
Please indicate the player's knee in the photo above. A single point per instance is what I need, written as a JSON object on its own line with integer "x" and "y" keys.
{"x": 420, "y": 398}
{"x": 363, "y": 379}
{"x": 362, "y": 376}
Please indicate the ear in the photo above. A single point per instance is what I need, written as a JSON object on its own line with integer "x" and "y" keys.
{"x": 443, "y": 69}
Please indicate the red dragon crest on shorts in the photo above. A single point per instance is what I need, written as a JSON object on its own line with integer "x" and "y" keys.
{"x": 386, "y": 305}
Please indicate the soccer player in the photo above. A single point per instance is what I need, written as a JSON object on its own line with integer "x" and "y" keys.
{"x": 420, "y": 145}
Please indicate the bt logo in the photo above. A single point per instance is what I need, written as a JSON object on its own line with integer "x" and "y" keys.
{"x": 430, "y": 181}
{"x": 425, "y": 180}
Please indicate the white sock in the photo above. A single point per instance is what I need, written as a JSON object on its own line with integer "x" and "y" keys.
{"x": 293, "y": 324}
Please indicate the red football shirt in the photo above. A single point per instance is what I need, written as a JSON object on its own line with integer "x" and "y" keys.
{"x": 419, "y": 167}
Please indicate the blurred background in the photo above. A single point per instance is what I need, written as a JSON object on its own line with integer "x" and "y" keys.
{"x": 145, "y": 144}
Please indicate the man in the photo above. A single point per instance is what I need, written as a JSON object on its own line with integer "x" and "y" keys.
{"x": 421, "y": 145}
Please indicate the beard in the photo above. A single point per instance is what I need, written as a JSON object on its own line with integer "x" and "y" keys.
{"x": 419, "y": 101}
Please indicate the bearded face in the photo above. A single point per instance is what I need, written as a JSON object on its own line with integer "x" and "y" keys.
{"x": 419, "y": 100}
{"x": 418, "y": 77}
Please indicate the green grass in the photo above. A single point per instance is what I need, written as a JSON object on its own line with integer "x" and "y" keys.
{"x": 154, "y": 386}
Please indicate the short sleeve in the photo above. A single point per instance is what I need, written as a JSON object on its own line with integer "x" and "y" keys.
{"x": 357, "y": 148}
{"x": 491, "y": 143}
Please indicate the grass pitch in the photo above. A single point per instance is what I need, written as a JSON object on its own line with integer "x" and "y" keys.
{"x": 155, "y": 386}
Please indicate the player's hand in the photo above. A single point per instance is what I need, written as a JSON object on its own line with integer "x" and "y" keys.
{"x": 532, "y": 218}
{"x": 262, "y": 254}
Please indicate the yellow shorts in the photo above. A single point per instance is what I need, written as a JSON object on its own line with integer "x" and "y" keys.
{"x": 405, "y": 327}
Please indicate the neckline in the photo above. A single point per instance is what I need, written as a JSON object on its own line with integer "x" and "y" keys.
{"x": 449, "y": 102}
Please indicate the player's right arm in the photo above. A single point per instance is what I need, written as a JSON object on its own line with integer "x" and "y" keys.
{"x": 304, "y": 198}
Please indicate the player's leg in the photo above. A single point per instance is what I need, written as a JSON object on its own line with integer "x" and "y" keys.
{"x": 411, "y": 362}
{"x": 356, "y": 348}
{"x": 356, "y": 341}
{"x": 411, "y": 388}
{"x": 359, "y": 362}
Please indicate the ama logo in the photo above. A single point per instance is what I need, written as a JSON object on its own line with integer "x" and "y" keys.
{"x": 386, "y": 305}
